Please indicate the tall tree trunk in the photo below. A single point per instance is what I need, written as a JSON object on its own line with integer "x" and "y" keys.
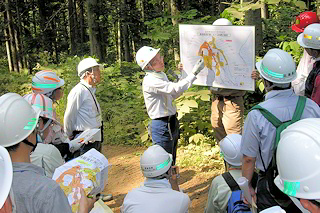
{"x": 8, "y": 48}
{"x": 175, "y": 12}
{"x": 119, "y": 41}
{"x": 125, "y": 32}
{"x": 142, "y": 9}
{"x": 126, "y": 42}
{"x": 17, "y": 41}
{"x": 253, "y": 17}
{"x": 11, "y": 37}
{"x": 72, "y": 32}
{"x": 81, "y": 17}
{"x": 222, "y": 6}
{"x": 94, "y": 29}
{"x": 264, "y": 12}
{"x": 20, "y": 43}
{"x": 55, "y": 43}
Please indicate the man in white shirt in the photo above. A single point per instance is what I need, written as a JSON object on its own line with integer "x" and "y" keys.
{"x": 277, "y": 69}
{"x": 159, "y": 93}
{"x": 83, "y": 110}
{"x": 160, "y": 191}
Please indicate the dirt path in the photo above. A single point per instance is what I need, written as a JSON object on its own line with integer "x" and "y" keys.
{"x": 125, "y": 175}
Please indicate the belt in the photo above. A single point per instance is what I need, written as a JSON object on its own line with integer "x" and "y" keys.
{"x": 166, "y": 118}
{"x": 222, "y": 97}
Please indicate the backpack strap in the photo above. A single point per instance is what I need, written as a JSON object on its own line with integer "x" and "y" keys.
{"x": 296, "y": 117}
{"x": 230, "y": 181}
{"x": 268, "y": 115}
{"x": 299, "y": 109}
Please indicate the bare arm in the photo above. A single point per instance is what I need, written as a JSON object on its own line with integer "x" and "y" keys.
{"x": 248, "y": 165}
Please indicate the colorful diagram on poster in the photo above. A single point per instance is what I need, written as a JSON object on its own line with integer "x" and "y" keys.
{"x": 228, "y": 53}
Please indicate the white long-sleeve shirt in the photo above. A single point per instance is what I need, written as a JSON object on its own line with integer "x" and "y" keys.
{"x": 82, "y": 113}
{"x": 159, "y": 92}
{"x": 155, "y": 196}
{"x": 304, "y": 68}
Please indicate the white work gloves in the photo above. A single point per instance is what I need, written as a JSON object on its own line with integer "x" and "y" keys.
{"x": 75, "y": 145}
{"x": 198, "y": 66}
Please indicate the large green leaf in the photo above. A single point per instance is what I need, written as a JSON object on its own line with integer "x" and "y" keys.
{"x": 302, "y": 5}
{"x": 256, "y": 6}
{"x": 273, "y": 1}
{"x": 190, "y": 103}
{"x": 205, "y": 97}
{"x": 235, "y": 13}
{"x": 196, "y": 138}
{"x": 144, "y": 137}
{"x": 185, "y": 109}
{"x": 261, "y": 86}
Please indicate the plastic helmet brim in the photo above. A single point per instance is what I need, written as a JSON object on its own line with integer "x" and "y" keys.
{"x": 296, "y": 29}
{"x": 5, "y": 180}
{"x": 300, "y": 41}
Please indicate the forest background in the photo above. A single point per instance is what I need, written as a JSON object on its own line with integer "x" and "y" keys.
{"x": 57, "y": 34}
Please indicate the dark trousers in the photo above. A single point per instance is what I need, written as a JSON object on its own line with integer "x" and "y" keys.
{"x": 265, "y": 199}
{"x": 165, "y": 133}
{"x": 64, "y": 150}
{"x": 96, "y": 145}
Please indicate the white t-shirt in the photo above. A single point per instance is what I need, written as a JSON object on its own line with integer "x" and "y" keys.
{"x": 155, "y": 196}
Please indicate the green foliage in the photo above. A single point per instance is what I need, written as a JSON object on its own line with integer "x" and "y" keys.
{"x": 200, "y": 157}
{"x": 277, "y": 31}
{"x": 194, "y": 114}
{"x": 13, "y": 82}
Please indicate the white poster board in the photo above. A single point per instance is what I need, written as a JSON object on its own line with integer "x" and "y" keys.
{"x": 228, "y": 52}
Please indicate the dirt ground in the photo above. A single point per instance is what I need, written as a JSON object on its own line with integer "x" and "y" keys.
{"x": 125, "y": 175}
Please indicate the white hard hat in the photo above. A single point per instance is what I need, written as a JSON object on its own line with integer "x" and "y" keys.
{"x": 6, "y": 175}
{"x": 222, "y": 21}
{"x": 144, "y": 55}
{"x": 155, "y": 161}
{"x": 86, "y": 64}
{"x": 310, "y": 38}
{"x": 277, "y": 66}
{"x": 230, "y": 148}
{"x": 44, "y": 104}
{"x": 298, "y": 159}
{"x": 274, "y": 209}
{"x": 46, "y": 81}
{"x": 17, "y": 119}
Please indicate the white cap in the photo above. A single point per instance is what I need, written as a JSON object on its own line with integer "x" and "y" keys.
{"x": 155, "y": 161}
{"x": 44, "y": 104}
{"x": 87, "y": 63}
{"x": 274, "y": 209}
{"x": 144, "y": 55}
{"x": 46, "y": 81}
{"x": 230, "y": 148}
{"x": 6, "y": 175}
{"x": 277, "y": 66}
{"x": 222, "y": 22}
{"x": 18, "y": 119}
{"x": 310, "y": 38}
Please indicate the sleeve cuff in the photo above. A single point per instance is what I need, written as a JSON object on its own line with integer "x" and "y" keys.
{"x": 191, "y": 78}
